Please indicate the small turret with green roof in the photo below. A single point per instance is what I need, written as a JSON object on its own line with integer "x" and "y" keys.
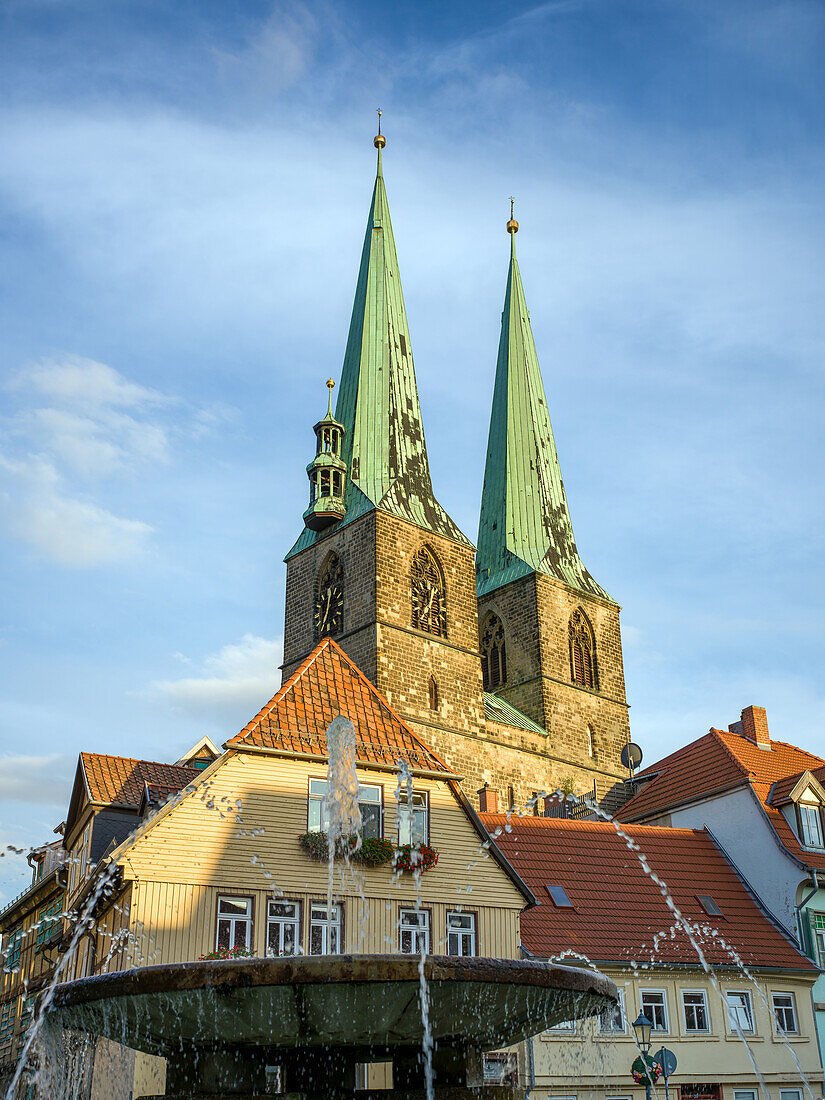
{"x": 525, "y": 525}
{"x": 327, "y": 473}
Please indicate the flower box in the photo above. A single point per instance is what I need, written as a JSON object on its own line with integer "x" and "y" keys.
{"x": 415, "y": 858}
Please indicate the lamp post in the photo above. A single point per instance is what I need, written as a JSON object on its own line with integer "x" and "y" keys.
{"x": 643, "y": 1028}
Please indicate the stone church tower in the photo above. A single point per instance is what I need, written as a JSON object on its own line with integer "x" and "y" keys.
{"x": 550, "y": 639}
{"x": 382, "y": 568}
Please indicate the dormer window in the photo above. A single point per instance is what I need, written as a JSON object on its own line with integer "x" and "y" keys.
{"x": 810, "y": 823}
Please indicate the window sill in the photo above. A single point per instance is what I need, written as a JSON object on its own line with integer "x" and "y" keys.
{"x": 699, "y": 1037}
{"x": 790, "y": 1038}
{"x": 751, "y": 1038}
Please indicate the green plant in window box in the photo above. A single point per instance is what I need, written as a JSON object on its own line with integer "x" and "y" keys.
{"x": 227, "y": 953}
{"x": 373, "y": 851}
{"x": 415, "y": 857}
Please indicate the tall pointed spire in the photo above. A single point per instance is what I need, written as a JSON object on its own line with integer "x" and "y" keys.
{"x": 525, "y": 526}
{"x": 384, "y": 445}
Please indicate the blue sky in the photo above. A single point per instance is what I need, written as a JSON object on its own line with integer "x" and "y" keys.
{"x": 183, "y": 191}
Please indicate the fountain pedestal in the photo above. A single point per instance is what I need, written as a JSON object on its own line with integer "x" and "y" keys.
{"x": 219, "y": 1024}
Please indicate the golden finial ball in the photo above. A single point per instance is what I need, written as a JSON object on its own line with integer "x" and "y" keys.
{"x": 512, "y": 226}
{"x": 330, "y": 383}
{"x": 379, "y": 141}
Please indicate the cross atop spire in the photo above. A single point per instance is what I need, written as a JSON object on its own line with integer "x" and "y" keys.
{"x": 525, "y": 525}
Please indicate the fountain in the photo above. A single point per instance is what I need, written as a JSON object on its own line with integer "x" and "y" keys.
{"x": 221, "y": 1024}
{"x": 224, "y": 1026}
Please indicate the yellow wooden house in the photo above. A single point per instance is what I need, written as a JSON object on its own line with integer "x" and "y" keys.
{"x": 230, "y": 861}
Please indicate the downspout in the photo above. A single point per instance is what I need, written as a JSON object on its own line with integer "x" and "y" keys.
{"x": 531, "y": 1061}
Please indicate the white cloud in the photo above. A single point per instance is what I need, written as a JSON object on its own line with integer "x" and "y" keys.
{"x": 42, "y": 779}
{"x": 234, "y": 682}
{"x": 63, "y": 529}
{"x": 74, "y": 380}
{"x": 98, "y": 425}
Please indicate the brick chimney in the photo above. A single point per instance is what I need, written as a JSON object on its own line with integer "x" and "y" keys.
{"x": 488, "y": 800}
{"x": 755, "y": 726}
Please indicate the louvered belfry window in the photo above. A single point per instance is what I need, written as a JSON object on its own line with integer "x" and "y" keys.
{"x": 427, "y": 593}
{"x": 493, "y": 654}
{"x": 582, "y": 651}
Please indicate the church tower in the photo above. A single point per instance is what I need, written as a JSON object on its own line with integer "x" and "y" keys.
{"x": 380, "y": 566}
{"x": 549, "y": 634}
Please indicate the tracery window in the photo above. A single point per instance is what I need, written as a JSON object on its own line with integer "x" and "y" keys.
{"x": 427, "y": 591}
{"x": 582, "y": 651}
{"x": 329, "y": 598}
{"x": 493, "y": 654}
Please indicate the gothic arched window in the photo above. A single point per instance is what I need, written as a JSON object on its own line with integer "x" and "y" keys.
{"x": 427, "y": 592}
{"x": 432, "y": 693}
{"x": 493, "y": 654}
{"x": 329, "y": 598}
{"x": 582, "y": 651}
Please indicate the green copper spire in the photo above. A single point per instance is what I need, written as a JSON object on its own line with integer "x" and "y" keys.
{"x": 384, "y": 447}
{"x": 525, "y": 525}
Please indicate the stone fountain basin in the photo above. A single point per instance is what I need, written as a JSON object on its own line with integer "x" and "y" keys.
{"x": 329, "y": 1001}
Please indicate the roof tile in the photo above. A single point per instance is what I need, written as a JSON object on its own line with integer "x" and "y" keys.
{"x": 619, "y": 912}
{"x": 327, "y": 684}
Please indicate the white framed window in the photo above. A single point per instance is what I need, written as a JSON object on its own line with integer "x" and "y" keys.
{"x": 370, "y": 803}
{"x": 414, "y": 931}
{"x": 744, "y": 1094}
{"x": 83, "y": 852}
{"x": 784, "y": 1013}
{"x": 695, "y": 1010}
{"x": 501, "y": 1068}
{"x": 811, "y": 822}
{"x": 740, "y": 1010}
{"x": 562, "y": 1028}
{"x": 325, "y": 930}
{"x": 413, "y": 818}
{"x": 790, "y": 1094}
{"x": 818, "y": 937}
{"x": 234, "y": 924}
{"x": 654, "y": 1006}
{"x": 283, "y": 928}
{"x": 461, "y": 933}
{"x": 611, "y": 1020}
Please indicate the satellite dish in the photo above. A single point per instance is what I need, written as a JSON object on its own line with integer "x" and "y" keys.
{"x": 631, "y": 756}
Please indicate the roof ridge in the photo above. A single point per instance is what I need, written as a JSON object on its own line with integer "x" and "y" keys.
{"x": 572, "y": 823}
{"x": 717, "y": 735}
{"x": 286, "y": 686}
{"x": 133, "y": 760}
{"x": 384, "y": 703}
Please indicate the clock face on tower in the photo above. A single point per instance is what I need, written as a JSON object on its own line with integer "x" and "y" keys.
{"x": 329, "y": 599}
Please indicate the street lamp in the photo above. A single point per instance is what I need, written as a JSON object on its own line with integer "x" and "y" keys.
{"x": 643, "y": 1027}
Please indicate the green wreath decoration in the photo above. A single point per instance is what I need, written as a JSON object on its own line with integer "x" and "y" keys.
{"x": 646, "y": 1068}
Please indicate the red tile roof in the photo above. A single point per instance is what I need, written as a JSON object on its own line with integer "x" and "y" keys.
{"x": 619, "y": 913}
{"x": 328, "y": 684}
{"x": 120, "y": 780}
{"x": 720, "y": 761}
{"x": 781, "y": 789}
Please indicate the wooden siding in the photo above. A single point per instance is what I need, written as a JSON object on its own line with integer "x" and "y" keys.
{"x": 206, "y": 846}
{"x": 177, "y": 923}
